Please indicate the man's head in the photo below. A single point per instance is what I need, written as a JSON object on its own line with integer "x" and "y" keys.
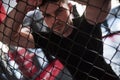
{"x": 57, "y": 14}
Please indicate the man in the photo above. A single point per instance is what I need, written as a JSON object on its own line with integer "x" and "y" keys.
{"x": 75, "y": 41}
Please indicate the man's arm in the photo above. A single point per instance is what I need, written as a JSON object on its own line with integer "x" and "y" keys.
{"x": 96, "y": 10}
{"x": 10, "y": 28}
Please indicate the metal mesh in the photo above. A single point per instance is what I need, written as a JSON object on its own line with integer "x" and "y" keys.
{"x": 21, "y": 63}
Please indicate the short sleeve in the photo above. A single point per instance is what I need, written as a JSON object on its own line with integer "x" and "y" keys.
{"x": 30, "y": 16}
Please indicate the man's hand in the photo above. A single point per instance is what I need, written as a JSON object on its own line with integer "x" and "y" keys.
{"x": 96, "y": 10}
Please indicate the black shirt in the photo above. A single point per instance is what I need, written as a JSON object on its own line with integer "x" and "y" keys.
{"x": 81, "y": 52}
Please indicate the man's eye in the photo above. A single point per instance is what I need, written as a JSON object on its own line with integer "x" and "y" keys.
{"x": 61, "y": 9}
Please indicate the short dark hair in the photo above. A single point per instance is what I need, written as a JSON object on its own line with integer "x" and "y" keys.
{"x": 46, "y": 1}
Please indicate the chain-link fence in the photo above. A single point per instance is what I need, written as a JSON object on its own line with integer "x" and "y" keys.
{"x": 58, "y": 40}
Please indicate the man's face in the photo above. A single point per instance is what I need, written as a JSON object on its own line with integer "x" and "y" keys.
{"x": 57, "y": 16}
